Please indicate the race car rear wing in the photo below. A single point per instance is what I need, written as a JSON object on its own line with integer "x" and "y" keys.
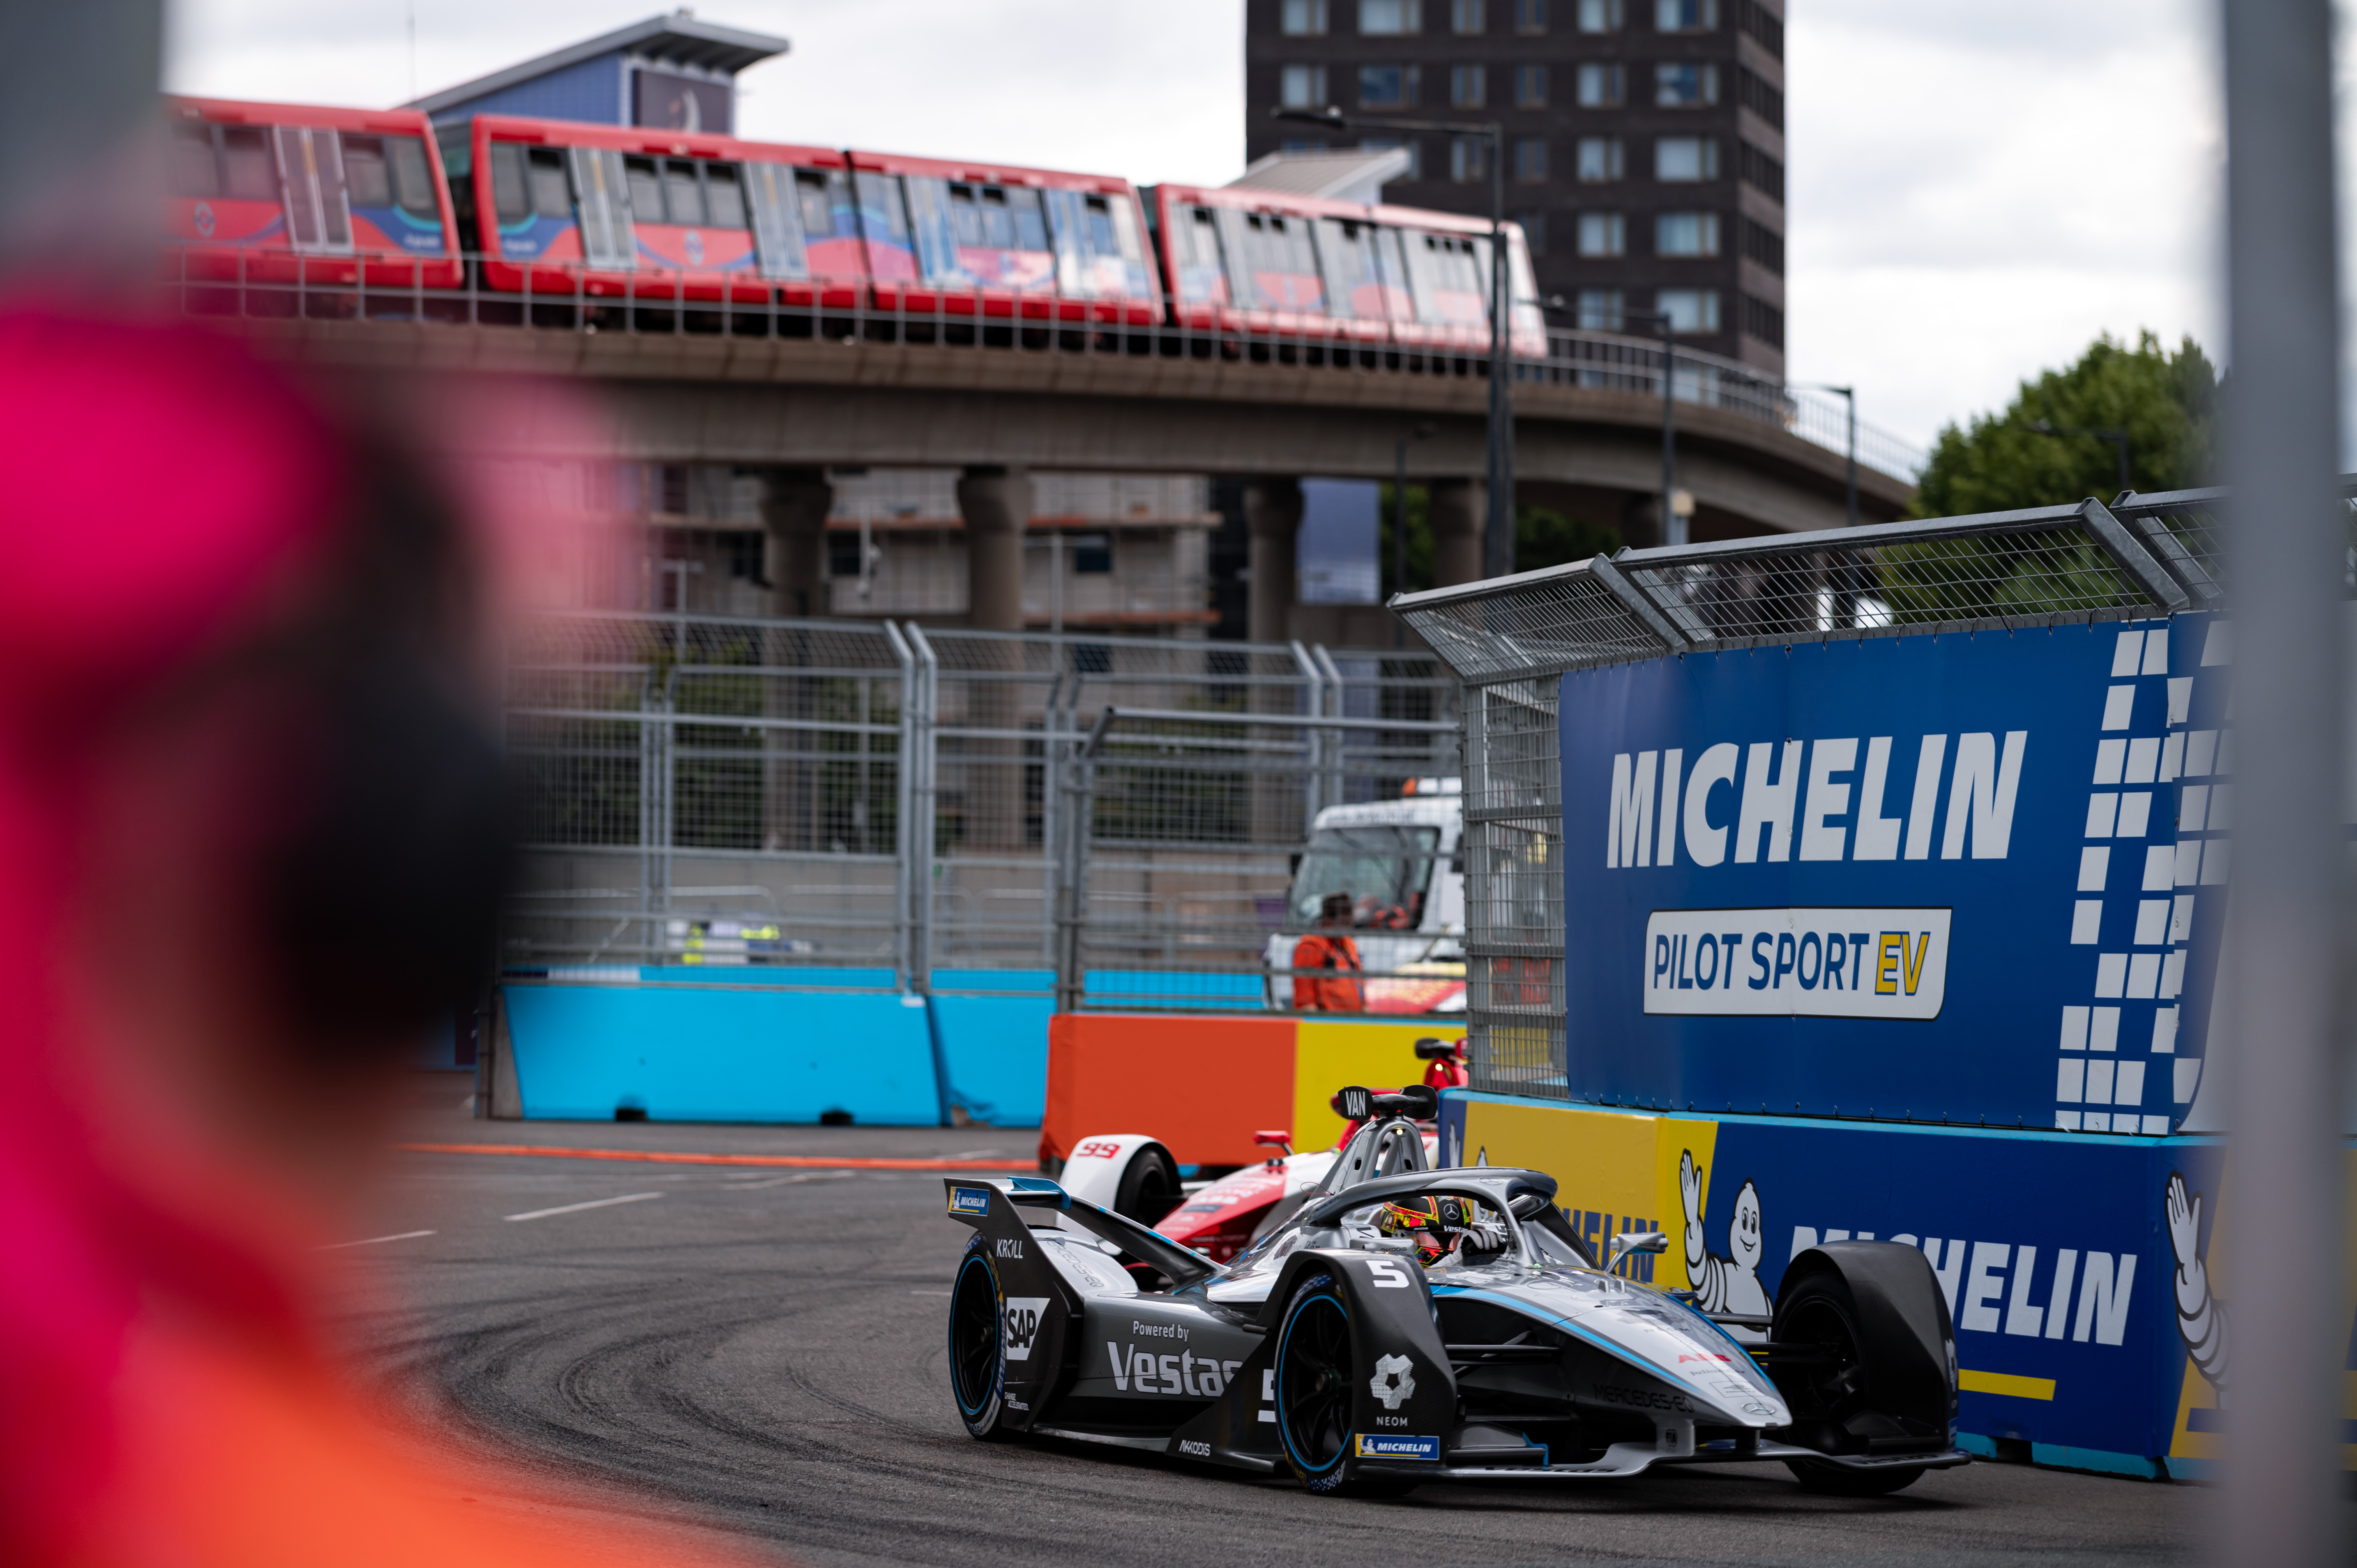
{"x": 970, "y": 1201}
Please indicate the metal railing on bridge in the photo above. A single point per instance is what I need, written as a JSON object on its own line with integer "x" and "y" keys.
{"x": 1513, "y": 639}
{"x": 879, "y": 805}
{"x": 284, "y": 286}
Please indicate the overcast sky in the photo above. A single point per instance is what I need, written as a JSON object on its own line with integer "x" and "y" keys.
{"x": 1978, "y": 187}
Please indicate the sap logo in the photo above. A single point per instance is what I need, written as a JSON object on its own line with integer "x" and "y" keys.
{"x": 1023, "y": 1325}
{"x": 1014, "y": 1403}
{"x": 1386, "y": 1446}
{"x": 1395, "y": 1381}
{"x": 969, "y": 1200}
{"x": 1642, "y": 1398}
{"x": 1268, "y": 1395}
{"x": 1194, "y": 1450}
{"x": 1141, "y": 1371}
{"x": 1982, "y": 790}
{"x": 1387, "y": 1274}
{"x": 1008, "y": 1249}
{"x": 1098, "y": 1149}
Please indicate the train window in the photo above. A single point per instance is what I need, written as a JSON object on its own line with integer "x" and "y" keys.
{"x": 510, "y": 196}
{"x": 723, "y": 197}
{"x": 412, "y": 177}
{"x": 819, "y": 197}
{"x": 1195, "y": 257}
{"x": 365, "y": 173}
{"x": 551, "y": 196}
{"x": 965, "y": 217}
{"x": 1030, "y": 223}
{"x": 247, "y": 174}
{"x": 646, "y": 195}
{"x": 682, "y": 194}
{"x": 195, "y": 171}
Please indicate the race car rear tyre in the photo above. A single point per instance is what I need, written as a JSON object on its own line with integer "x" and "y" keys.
{"x": 1149, "y": 1188}
{"x": 978, "y": 1349}
{"x": 1840, "y": 1481}
{"x": 1314, "y": 1395}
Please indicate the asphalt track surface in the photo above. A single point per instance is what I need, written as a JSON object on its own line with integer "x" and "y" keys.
{"x": 757, "y": 1355}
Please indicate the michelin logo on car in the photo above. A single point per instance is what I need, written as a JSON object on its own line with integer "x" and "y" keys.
{"x": 1390, "y": 1445}
{"x": 969, "y": 1200}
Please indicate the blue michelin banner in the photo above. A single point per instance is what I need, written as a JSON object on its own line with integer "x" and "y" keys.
{"x": 1967, "y": 878}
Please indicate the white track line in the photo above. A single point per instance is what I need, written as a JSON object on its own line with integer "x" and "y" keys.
{"x": 373, "y": 1240}
{"x": 757, "y": 1184}
{"x": 577, "y": 1208}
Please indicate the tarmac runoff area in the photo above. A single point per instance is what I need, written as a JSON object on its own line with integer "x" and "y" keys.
{"x": 754, "y": 1353}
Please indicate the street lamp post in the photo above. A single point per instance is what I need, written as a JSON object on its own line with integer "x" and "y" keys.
{"x": 1848, "y": 394}
{"x": 1497, "y": 528}
{"x": 1848, "y": 576}
{"x": 1673, "y": 524}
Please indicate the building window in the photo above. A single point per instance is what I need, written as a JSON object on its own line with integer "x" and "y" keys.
{"x": 1469, "y": 86}
{"x": 1530, "y": 86}
{"x": 1534, "y": 227}
{"x": 1302, "y": 18}
{"x": 1685, "y": 16}
{"x": 1391, "y": 18}
{"x": 1529, "y": 15}
{"x": 1467, "y": 161}
{"x": 1599, "y": 15}
{"x": 1679, "y": 160}
{"x": 1600, "y": 86}
{"x": 1302, "y": 86}
{"x": 1603, "y": 234}
{"x": 1690, "y": 310}
{"x": 1469, "y": 15}
{"x": 1685, "y": 235}
{"x": 1600, "y": 159}
{"x": 1387, "y": 86}
{"x": 1764, "y": 321}
{"x": 1684, "y": 86}
{"x": 1761, "y": 172}
{"x": 1763, "y": 245}
{"x": 1601, "y": 310}
{"x": 1414, "y": 149}
{"x": 1761, "y": 24}
{"x": 1753, "y": 92}
{"x": 1531, "y": 159}
{"x": 1092, "y": 552}
{"x": 843, "y": 553}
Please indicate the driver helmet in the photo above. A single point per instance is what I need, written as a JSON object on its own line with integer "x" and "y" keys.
{"x": 1432, "y": 1226}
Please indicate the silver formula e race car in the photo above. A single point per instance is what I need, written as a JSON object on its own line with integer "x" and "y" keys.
{"x": 1410, "y": 1325}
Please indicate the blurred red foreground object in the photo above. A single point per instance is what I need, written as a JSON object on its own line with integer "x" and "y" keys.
{"x": 187, "y": 539}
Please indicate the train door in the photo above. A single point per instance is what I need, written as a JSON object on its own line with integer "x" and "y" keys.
{"x": 1352, "y": 268}
{"x": 778, "y": 245}
{"x": 1444, "y": 276}
{"x": 1197, "y": 274}
{"x": 311, "y": 180}
{"x": 602, "y": 201}
{"x": 891, "y": 252}
{"x": 1274, "y": 264}
{"x": 1098, "y": 253}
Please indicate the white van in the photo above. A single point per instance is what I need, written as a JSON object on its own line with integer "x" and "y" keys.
{"x": 1400, "y": 863}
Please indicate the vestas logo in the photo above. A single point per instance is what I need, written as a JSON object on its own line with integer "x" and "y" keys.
{"x": 1659, "y": 808}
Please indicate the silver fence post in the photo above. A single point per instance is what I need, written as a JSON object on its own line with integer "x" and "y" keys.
{"x": 1473, "y": 791}
{"x": 2287, "y": 949}
{"x": 904, "y": 796}
{"x": 1313, "y": 791}
{"x": 924, "y": 737}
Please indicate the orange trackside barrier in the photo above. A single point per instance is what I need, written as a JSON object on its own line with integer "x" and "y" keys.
{"x": 1204, "y": 1083}
{"x": 1200, "y": 1084}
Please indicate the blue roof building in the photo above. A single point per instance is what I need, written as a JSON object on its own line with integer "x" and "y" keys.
{"x": 673, "y": 71}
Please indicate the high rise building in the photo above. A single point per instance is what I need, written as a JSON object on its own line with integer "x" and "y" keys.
{"x": 1644, "y": 140}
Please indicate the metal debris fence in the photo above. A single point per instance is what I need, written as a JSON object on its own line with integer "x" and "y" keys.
{"x": 881, "y": 805}
{"x": 1511, "y": 640}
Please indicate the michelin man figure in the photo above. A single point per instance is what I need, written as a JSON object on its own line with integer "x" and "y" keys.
{"x": 2200, "y": 1316}
{"x": 1730, "y": 1283}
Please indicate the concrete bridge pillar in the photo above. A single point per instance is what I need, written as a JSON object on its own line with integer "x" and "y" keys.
{"x": 1458, "y": 510}
{"x": 1273, "y": 513}
{"x": 793, "y": 510}
{"x": 997, "y": 506}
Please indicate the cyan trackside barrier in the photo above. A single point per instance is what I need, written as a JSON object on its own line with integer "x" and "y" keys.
{"x": 685, "y": 1053}
{"x": 994, "y": 1048}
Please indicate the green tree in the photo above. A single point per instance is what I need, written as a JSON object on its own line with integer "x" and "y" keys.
{"x": 2167, "y": 403}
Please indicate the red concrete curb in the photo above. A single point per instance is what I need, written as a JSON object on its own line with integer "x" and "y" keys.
{"x": 678, "y": 1157}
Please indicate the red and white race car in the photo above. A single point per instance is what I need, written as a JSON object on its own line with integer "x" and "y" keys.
{"x": 1134, "y": 1174}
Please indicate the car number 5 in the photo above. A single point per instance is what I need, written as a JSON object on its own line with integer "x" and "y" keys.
{"x": 1387, "y": 1274}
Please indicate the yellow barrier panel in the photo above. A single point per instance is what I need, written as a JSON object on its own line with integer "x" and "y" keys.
{"x": 1328, "y": 1056}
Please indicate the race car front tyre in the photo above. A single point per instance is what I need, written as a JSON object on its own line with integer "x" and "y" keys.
{"x": 1840, "y": 1481}
{"x": 977, "y": 1349}
{"x": 1313, "y": 1393}
{"x": 1149, "y": 1189}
